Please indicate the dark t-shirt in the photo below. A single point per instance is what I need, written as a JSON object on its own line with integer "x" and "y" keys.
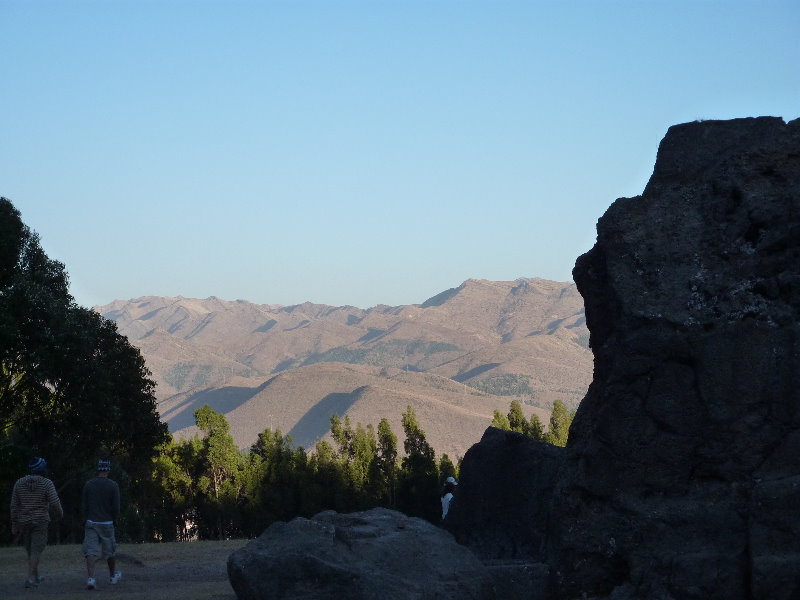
{"x": 101, "y": 499}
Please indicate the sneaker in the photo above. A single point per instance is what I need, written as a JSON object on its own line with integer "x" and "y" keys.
{"x": 91, "y": 583}
{"x": 30, "y": 583}
{"x": 115, "y": 579}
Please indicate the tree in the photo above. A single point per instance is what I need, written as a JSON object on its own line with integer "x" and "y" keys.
{"x": 168, "y": 505}
{"x": 415, "y": 442}
{"x": 446, "y": 469}
{"x": 357, "y": 449}
{"x": 535, "y": 428}
{"x": 515, "y": 421}
{"x": 328, "y": 478}
{"x": 221, "y": 460}
{"x": 516, "y": 418}
{"x": 71, "y": 387}
{"x": 500, "y": 421}
{"x": 342, "y": 434}
{"x": 278, "y": 481}
{"x": 418, "y": 490}
{"x": 384, "y": 477}
{"x": 34, "y": 300}
{"x": 560, "y": 421}
{"x": 221, "y": 454}
{"x": 362, "y": 452}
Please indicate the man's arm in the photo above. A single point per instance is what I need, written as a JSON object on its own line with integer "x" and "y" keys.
{"x": 55, "y": 502}
{"x": 115, "y": 505}
{"x": 85, "y": 501}
{"x": 15, "y": 511}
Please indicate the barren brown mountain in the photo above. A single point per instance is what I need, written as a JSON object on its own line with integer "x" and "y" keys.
{"x": 455, "y": 358}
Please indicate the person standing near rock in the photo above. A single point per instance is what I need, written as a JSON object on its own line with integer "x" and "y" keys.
{"x": 447, "y": 494}
{"x": 100, "y": 505}
{"x": 32, "y": 499}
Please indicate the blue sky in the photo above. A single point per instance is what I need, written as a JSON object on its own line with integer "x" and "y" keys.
{"x": 358, "y": 153}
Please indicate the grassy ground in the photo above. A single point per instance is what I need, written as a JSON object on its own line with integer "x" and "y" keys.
{"x": 179, "y": 571}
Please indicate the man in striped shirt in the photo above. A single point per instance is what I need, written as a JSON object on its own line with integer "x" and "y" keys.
{"x": 33, "y": 498}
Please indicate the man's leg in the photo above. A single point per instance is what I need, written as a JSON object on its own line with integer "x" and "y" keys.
{"x": 33, "y": 566}
{"x": 91, "y": 582}
{"x": 35, "y": 542}
{"x": 91, "y": 559}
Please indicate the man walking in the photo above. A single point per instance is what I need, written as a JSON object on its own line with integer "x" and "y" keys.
{"x": 32, "y": 499}
{"x": 100, "y": 505}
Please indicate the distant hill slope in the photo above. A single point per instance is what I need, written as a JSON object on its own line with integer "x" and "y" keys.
{"x": 455, "y": 357}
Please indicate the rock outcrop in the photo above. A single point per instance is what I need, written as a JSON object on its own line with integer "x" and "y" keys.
{"x": 372, "y": 555}
{"x": 682, "y": 475}
{"x": 502, "y": 505}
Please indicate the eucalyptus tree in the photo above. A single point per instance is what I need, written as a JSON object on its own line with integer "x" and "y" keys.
{"x": 385, "y": 468}
{"x": 535, "y": 428}
{"x": 560, "y": 422}
{"x": 357, "y": 452}
{"x": 446, "y": 469}
{"x": 221, "y": 461}
{"x": 279, "y": 480}
{"x": 418, "y": 489}
{"x": 500, "y": 421}
{"x": 516, "y": 418}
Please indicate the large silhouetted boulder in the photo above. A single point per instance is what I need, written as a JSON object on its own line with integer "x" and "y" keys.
{"x": 501, "y": 507}
{"x": 682, "y": 475}
{"x": 372, "y": 555}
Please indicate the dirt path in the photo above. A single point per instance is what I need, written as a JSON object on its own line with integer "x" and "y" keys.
{"x": 179, "y": 571}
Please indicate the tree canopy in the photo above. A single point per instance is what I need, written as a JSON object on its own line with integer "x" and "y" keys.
{"x": 557, "y": 433}
{"x": 72, "y": 388}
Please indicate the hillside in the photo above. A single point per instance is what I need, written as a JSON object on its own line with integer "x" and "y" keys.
{"x": 455, "y": 357}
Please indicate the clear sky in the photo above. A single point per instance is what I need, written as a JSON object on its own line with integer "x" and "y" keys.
{"x": 356, "y": 152}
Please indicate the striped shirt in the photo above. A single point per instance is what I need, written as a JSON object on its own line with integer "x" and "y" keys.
{"x": 32, "y": 499}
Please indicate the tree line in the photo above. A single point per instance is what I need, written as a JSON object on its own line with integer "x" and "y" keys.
{"x": 204, "y": 487}
{"x": 557, "y": 432}
{"x": 73, "y": 389}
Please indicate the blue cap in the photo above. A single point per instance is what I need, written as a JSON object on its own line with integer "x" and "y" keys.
{"x": 37, "y": 465}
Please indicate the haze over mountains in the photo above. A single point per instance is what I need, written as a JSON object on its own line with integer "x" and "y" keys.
{"x": 455, "y": 358}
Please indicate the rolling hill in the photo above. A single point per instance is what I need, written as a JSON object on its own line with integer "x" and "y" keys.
{"x": 455, "y": 358}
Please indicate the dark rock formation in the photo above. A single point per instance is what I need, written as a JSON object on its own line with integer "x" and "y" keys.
{"x": 501, "y": 510}
{"x": 377, "y": 554}
{"x": 501, "y": 507}
{"x": 682, "y": 476}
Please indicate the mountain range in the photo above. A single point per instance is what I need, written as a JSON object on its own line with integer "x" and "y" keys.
{"x": 455, "y": 358}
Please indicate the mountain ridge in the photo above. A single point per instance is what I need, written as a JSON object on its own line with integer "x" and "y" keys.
{"x": 493, "y": 340}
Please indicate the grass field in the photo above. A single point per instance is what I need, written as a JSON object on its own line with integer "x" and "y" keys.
{"x": 176, "y": 571}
